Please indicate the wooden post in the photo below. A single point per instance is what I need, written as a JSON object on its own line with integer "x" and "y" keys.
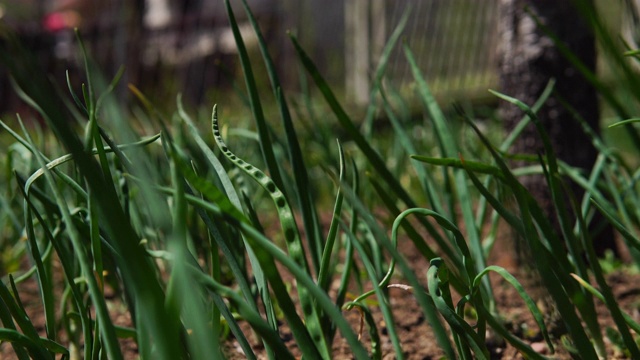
{"x": 529, "y": 59}
{"x": 378, "y": 26}
{"x": 357, "y": 50}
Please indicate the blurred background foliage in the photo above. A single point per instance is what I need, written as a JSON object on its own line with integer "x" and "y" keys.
{"x": 171, "y": 46}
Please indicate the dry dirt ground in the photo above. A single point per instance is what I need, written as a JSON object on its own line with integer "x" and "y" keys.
{"x": 415, "y": 334}
{"x": 417, "y": 337}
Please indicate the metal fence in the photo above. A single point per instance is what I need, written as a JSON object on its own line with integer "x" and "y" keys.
{"x": 454, "y": 42}
{"x": 191, "y": 50}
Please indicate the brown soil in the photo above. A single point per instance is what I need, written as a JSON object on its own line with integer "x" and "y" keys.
{"x": 418, "y": 341}
{"x": 416, "y": 336}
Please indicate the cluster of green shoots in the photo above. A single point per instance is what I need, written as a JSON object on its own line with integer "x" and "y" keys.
{"x": 171, "y": 224}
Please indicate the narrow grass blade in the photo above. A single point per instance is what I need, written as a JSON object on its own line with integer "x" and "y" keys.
{"x": 263, "y": 290}
{"x": 325, "y": 273}
{"x": 109, "y": 89}
{"x": 96, "y": 246}
{"x": 229, "y": 256}
{"x": 65, "y": 177}
{"x": 348, "y": 252}
{"x": 380, "y": 70}
{"x": 620, "y": 208}
{"x": 627, "y": 318}
{"x": 8, "y": 324}
{"x": 365, "y": 313}
{"x": 223, "y": 242}
{"x": 300, "y": 332}
{"x": 610, "y": 299}
{"x": 181, "y": 292}
{"x": 427, "y": 305}
{"x": 558, "y": 192}
{"x": 531, "y": 305}
{"x": 51, "y": 165}
{"x": 267, "y": 252}
{"x": 75, "y": 97}
{"x": 624, "y": 122}
{"x": 450, "y": 149}
{"x": 220, "y": 308}
{"x": 415, "y": 236}
{"x": 299, "y": 169}
{"x": 44, "y": 281}
{"x": 383, "y": 302}
{"x": 422, "y": 246}
{"x": 18, "y": 301}
{"x": 22, "y": 320}
{"x": 234, "y": 199}
{"x": 468, "y": 272}
{"x": 511, "y": 218}
{"x": 254, "y": 97}
{"x": 348, "y": 125}
{"x": 106, "y": 326}
{"x": 552, "y": 240}
{"x": 238, "y": 219}
{"x": 264, "y": 329}
{"x": 213, "y": 160}
{"x": 474, "y": 166}
{"x": 290, "y": 231}
{"x": 304, "y": 193}
{"x": 629, "y": 78}
{"x": 68, "y": 267}
{"x": 345, "y": 121}
{"x": 613, "y": 219}
{"x": 425, "y": 178}
{"x": 499, "y": 328}
{"x": 549, "y": 272}
{"x": 135, "y": 271}
{"x": 586, "y": 305}
{"x": 234, "y": 327}
{"x": 210, "y": 191}
{"x": 35, "y": 349}
{"x": 446, "y": 142}
{"x": 270, "y": 252}
{"x": 458, "y": 325}
{"x": 517, "y": 130}
{"x": 553, "y": 164}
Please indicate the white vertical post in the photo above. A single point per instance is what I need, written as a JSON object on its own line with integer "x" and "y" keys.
{"x": 378, "y": 28}
{"x": 358, "y": 50}
{"x": 158, "y": 14}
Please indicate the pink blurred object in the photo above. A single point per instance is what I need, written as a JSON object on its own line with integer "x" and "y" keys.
{"x": 61, "y": 20}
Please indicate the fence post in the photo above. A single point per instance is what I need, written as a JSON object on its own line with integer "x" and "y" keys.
{"x": 378, "y": 28}
{"x": 357, "y": 50}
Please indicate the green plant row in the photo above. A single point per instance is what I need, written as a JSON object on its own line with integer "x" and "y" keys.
{"x": 196, "y": 239}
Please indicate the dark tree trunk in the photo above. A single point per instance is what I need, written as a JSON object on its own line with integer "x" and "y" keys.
{"x": 529, "y": 59}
